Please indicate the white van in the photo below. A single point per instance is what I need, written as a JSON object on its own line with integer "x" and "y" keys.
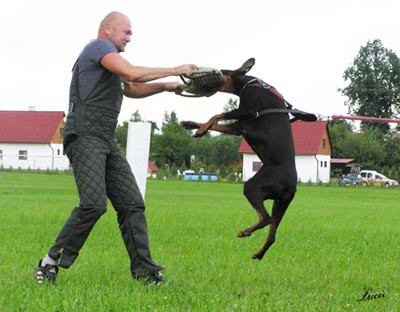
{"x": 371, "y": 177}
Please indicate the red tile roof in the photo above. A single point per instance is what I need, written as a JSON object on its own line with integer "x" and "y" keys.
{"x": 28, "y": 126}
{"x": 307, "y": 138}
{"x": 341, "y": 160}
{"x": 152, "y": 166}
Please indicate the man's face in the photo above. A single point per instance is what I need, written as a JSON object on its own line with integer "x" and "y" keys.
{"x": 120, "y": 34}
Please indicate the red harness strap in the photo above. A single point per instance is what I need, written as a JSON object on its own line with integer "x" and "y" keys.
{"x": 270, "y": 89}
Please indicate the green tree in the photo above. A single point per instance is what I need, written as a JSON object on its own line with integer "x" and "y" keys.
{"x": 224, "y": 150}
{"x": 172, "y": 146}
{"x": 231, "y": 105}
{"x": 136, "y": 116}
{"x": 392, "y": 150}
{"x": 365, "y": 148}
{"x": 339, "y": 131}
{"x": 121, "y": 133}
{"x": 374, "y": 84}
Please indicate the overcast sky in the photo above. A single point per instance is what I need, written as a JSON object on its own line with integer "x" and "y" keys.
{"x": 301, "y": 47}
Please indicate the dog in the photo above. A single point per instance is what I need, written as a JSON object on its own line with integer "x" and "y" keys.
{"x": 262, "y": 118}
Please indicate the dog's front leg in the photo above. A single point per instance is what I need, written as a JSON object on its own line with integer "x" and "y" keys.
{"x": 203, "y": 129}
{"x": 191, "y": 125}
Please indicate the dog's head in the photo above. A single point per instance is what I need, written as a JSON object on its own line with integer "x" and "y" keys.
{"x": 234, "y": 77}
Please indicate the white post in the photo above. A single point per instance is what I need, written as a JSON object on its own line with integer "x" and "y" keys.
{"x": 137, "y": 151}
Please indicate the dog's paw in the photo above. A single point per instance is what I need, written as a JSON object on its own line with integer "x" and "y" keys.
{"x": 189, "y": 125}
{"x": 257, "y": 256}
{"x": 243, "y": 234}
{"x": 199, "y": 133}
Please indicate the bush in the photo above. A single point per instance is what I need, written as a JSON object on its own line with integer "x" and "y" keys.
{"x": 231, "y": 177}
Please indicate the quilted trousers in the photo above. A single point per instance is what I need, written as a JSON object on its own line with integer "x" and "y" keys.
{"x": 101, "y": 170}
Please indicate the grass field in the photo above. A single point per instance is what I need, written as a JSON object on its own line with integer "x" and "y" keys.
{"x": 333, "y": 245}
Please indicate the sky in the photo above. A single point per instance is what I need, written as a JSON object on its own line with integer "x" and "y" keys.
{"x": 301, "y": 47}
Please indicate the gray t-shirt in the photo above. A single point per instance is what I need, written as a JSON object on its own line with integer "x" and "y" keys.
{"x": 90, "y": 69}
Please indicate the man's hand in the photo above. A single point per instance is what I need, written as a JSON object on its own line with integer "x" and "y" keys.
{"x": 185, "y": 69}
{"x": 173, "y": 86}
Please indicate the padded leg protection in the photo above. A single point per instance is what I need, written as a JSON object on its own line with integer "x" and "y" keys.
{"x": 74, "y": 234}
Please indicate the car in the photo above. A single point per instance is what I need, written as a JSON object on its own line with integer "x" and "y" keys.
{"x": 372, "y": 177}
{"x": 351, "y": 179}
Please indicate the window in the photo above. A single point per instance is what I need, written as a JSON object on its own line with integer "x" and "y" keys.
{"x": 1, "y": 154}
{"x": 23, "y": 155}
{"x": 62, "y": 132}
{"x": 324, "y": 143}
{"x": 256, "y": 165}
{"x": 325, "y": 164}
{"x": 58, "y": 152}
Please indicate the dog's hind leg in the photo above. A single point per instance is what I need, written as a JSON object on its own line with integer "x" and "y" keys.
{"x": 278, "y": 210}
{"x": 255, "y": 196}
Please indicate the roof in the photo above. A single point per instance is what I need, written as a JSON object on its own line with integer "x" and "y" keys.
{"x": 29, "y": 126}
{"x": 152, "y": 166}
{"x": 341, "y": 160}
{"x": 307, "y": 138}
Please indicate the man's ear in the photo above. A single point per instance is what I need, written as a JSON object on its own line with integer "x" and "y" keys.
{"x": 108, "y": 29}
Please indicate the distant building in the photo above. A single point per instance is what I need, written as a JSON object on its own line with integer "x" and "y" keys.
{"x": 313, "y": 151}
{"x": 342, "y": 165}
{"x": 32, "y": 140}
{"x": 152, "y": 170}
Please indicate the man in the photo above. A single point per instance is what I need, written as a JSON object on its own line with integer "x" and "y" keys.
{"x": 100, "y": 79}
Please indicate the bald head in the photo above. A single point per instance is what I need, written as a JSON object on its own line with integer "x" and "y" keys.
{"x": 112, "y": 18}
{"x": 116, "y": 27}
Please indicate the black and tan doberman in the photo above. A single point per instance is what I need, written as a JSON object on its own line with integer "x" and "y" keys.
{"x": 262, "y": 118}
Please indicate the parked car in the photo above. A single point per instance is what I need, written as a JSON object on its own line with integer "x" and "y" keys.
{"x": 351, "y": 179}
{"x": 371, "y": 177}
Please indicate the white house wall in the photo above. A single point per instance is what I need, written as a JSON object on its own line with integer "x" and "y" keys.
{"x": 248, "y": 160}
{"x": 324, "y": 168}
{"x": 306, "y": 166}
{"x": 40, "y": 156}
{"x": 309, "y": 167}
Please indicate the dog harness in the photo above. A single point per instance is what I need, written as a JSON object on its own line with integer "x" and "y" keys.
{"x": 298, "y": 114}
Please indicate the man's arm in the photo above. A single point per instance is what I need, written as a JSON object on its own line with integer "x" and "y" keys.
{"x": 139, "y": 90}
{"x": 118, "y": 65}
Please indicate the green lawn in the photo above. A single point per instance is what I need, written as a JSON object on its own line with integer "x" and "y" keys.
{"x": 333, "y": 244}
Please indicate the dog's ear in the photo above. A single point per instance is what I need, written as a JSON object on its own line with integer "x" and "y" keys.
{"x": 246, "y": 66}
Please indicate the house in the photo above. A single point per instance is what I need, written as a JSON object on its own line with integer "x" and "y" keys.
{"x": 152, "y": 170}
{"x": 32, "y": 140}
{"x": 313, "y": 151}
{"x": 342, "y": 165}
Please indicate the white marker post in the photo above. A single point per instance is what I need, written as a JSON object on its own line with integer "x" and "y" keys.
{"x": 137, "y": 151}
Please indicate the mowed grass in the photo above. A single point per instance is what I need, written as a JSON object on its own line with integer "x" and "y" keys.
{"x": 333, "y": 244}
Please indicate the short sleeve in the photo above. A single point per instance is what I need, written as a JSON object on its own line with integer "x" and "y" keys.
{"x": 98, "y": 48}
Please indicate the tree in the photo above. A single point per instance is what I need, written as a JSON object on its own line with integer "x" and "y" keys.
{"x": 339, "y": 131}
{"x": 172, "y": 146}
{"x": 136, "y": 116}
{"x": 121, "y": 133}
{"x": 392, "y": 150}
{"x": 365, "y": 148}
{"x": 230, "y": 106}
{"x": 374, "y": 84}
{"x": 224, "y": 150}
